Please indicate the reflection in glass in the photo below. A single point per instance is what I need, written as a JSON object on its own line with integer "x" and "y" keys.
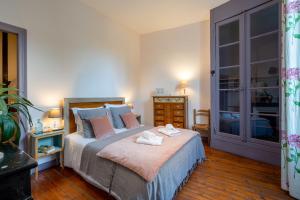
{"x": 229, "y": 78}
{"x": 265, "y": 127}
{"x": 264, "y": 48}
{"x": 229, "y": 100}
{"x": 229, "y": 123}
{"x": 265, "y": 101}
{"x": 265, "y": 74}
{"x": 229, "y": 55}
{"x": 229, "y": 33}
{"x": 264, "y": 21}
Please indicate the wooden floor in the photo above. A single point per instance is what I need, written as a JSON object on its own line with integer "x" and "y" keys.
{"x": 222, "y": 176}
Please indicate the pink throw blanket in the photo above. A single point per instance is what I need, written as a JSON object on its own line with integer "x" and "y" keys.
{"x": 145, "y": 160}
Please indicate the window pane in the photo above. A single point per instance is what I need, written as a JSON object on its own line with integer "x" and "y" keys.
{"x": 265, "y": 101}
{"x": 230, "y": 123}
{"x": 230, "y": 100}
{"x": 265, "y": 47}
{"x": 229, "y": 55}
{"x": 229, "y": 78}
{"x": 264, "y": 21}
{"x": 229, "y": 33}
{"x": 265, "y": 74}
{"x": 265, "y": 127}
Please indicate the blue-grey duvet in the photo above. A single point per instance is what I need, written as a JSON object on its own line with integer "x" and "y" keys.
{"x": 122, "y": 183}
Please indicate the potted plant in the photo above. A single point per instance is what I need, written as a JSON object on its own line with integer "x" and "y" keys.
{"x": 13, "y": 113}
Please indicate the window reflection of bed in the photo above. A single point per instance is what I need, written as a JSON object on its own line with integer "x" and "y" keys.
{"x": 260, "y": 126}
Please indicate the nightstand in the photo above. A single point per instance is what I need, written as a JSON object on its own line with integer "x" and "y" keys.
{"x": 53, "y": 138}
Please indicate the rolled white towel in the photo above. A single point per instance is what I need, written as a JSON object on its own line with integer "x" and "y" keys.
{"x": 169, "y": 130}
{"x": 150, "y": 138}
{"x": 149, "y": 135}
{"x": 170, "y": 127}
{"x": 154, "y": 141}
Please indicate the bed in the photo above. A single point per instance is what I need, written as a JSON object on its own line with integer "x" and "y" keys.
{"x": 115, "y": 179}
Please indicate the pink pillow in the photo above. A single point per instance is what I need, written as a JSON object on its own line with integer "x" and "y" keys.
{"x": 102, "y": 127}
{"x": 130, "y": 120}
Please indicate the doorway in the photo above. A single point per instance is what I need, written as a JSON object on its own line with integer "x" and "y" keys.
{"x": 13, "y": 61}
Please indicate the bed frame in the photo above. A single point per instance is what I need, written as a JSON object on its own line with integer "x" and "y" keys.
{"x": 69, "y": 103}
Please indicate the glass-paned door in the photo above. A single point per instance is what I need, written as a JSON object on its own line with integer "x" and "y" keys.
{"x": 228, "y": 71}
{"x": 263, "y": 67}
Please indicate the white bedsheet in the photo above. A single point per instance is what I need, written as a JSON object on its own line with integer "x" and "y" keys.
{"x": 73, "y": 147}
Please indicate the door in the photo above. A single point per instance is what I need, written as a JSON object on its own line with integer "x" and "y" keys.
{"x": 263, "y": 69}
{"x": 245, "y": 82}
{"x": 229, "y": 85}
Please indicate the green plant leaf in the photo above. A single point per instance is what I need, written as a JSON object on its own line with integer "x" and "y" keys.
{"x": 3, "y": 107}
{"x": 7, "y": 89}
{"x": 297, "y": 103}
{"x": 296, "y": 36}
{"x": 294, "y": 157}
{"x": 22, "y": 109}
{"x": 13, "y": 113}
{"x": 297, "y": 170}
{"x": 289, "y": 93}
{"x": 289, "y": 159}
{"x": 18, "y": 133}
{"x": 297, "y": 18}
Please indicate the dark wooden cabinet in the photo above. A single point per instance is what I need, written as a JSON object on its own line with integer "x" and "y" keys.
{"x": 245, "y": 81}
{"x": 15, "y": 174}
{"x": 170, "y": 110}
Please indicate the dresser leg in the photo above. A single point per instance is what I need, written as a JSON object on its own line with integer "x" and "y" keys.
{"x": 61, "y": 159}
{"x": 36, "y": 173}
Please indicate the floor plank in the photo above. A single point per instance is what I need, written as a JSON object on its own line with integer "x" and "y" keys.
{"x": 223, "y": 177}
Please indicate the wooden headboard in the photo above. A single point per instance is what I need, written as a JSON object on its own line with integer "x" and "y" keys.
{"x": 69, "y": 103}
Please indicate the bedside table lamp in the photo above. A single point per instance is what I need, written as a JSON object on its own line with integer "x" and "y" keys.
{"x": 55, "y": 113}
{"x": 183, "y": 85}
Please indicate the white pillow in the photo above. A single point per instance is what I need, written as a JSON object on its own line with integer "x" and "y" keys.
{"x": 115, "y": 105}
{"x": 78, "y": 121}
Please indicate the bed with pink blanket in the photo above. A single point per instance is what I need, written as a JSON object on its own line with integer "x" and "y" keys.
{"x": 137, "y": 171}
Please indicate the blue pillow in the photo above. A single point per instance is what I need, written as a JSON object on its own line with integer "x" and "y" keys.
{"x": 116, "y": 113}
{"x": 86, "y": 115}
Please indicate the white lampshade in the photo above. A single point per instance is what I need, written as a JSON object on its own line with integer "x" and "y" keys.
{"x": 183, "y": 85}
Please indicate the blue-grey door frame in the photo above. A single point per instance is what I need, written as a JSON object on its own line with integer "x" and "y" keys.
{"x": 22, "y": 64}
{"x": 259, "y": 150}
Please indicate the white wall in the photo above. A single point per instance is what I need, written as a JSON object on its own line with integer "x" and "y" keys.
{"x": 73, "y": 51}
{"x": 172, "y": 55}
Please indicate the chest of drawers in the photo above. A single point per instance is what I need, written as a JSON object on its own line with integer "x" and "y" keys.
{"x": 170, "y": 110}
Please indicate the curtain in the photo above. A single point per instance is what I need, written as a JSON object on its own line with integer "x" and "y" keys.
{"x": 290, "y": 98}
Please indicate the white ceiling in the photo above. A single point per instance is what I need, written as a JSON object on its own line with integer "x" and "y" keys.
{"x": 146, "y": 16}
